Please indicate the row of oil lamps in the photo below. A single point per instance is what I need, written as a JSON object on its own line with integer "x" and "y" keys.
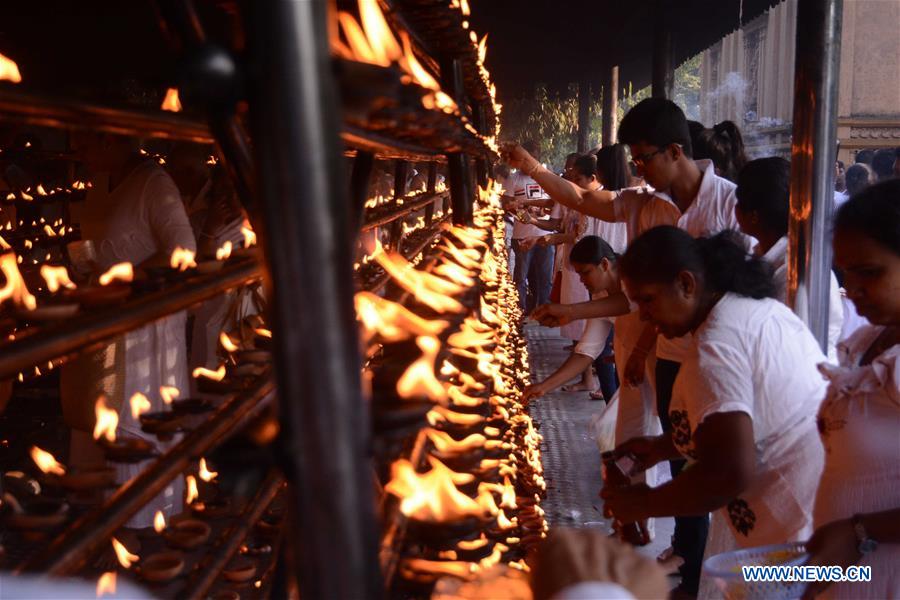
{"x": 471, "y": 496}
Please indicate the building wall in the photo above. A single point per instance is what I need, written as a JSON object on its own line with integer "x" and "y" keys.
{"x": 753, "y": 68}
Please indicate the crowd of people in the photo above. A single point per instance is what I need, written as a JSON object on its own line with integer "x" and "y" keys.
{"x": 678, "y": 261}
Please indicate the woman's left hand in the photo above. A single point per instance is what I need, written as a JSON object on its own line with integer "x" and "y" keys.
{"x": 535, "y": 390}
{"x": 834, "y": 543}
{"x": 628, "y": 503}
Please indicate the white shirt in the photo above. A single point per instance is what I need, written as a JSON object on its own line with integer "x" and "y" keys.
{"x": 757, "y": 357}
{"x": 522, "y": 187}
{"x": 596, "y": 330}
{"x": 777, "y": 257}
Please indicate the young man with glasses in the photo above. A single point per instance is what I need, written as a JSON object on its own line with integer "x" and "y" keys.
{"x": 682, "y": 192}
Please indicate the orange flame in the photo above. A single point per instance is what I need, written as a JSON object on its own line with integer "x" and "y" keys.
{"x": 126, "y": 558}
{"x": 191, "y": 486}
{"x": 46, "y": 462}
{"x": 106, "y": 584}
{"x": 262, "y": 332}
{"x": 385, "y": 48}
{"x": 182, "y": 259}
{"x": 453, "y": 568}
{"x": 168, "y": 393}
{"x": 391, "y": 321}
{"x": 446, "y": 444}
{"x": 107, "y": 420}
{"x": 9, "y": 70}
{"x": 482, "y": 49}
{"x": 455, "y": 273}
{"x": 439, "y": 414}
{"x": 217, "y": 375}
{"x": 249, "y": 234}
{"x": 428, "y": 289}
{"x": 225, "y": 251}
{"x": 124, "y": 271}
{"x": 227, "y": 343}
{"x": 432, "y": 496}
{"x": 419, "y": 378}
{"x": 460, "y": 399}
{"x": 159, "y": 522}
{"x": 204, "y": 473}
{"x": 171, "y": 102}
{"x": 15, "y": 287}
{"x": 139, "y": 405}
{"x": 509, "y": 495}
{"x": 473, "y": 544}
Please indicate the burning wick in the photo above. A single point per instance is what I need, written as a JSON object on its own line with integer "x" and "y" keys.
{"x": 217, "y": 375}
{"x": 171, "y": 102}
{"x": 126, "y": 558}
{"x": 168, "y": 393}
{"x": 15, "y": 287}
{"x": 192, "y": 493}
{"x": 9, "y": 70}
{"x": 139, "y": 405}
{"x": 107, "y": 421}
{"x": 46, "y": 462}
{"x": 123, "y": 271}
{"x": 249, "y": 234}
{"x": 159, "y": 522}
{"x": 182, "y": 259}
{"x": 204, "y": 473}
{"x": 226, "y": 342}
{"x": 106, "y": 584}
{"x": 263, "y": 332}
{"x": 225, "y": 251}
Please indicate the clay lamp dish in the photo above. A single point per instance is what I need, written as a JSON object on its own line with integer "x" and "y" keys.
{"x": 38, "y": 514}
{"x": 162, "y": 567}
{"x": 211, "y": 386}
{"x": 48, "y": 311}
{"x": 438, "y": 534}
{"x": 128, "y": 449}
{"x": 269, "y": 526}
{"x": 253, "y": 356}
{"x": 226, "y": 595}
{"x": 163, "y": 423}
{"x": 99, "y": 296}
{"x": 212, "y": 509}
{"x": 187, "y": 534}
{"x": 210, "y": 266}
{"x": 83, "y": 479}
{"x": 247, "y": 370}
{"x": 239, "y": 570}
{"x": 191, "y": 406}
{"x": 248, "y": 252}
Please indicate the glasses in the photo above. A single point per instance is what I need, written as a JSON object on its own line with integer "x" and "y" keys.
{"x": 642, "y": 159}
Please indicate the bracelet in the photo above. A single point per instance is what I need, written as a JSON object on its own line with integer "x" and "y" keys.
{"x": 534, "y": 170}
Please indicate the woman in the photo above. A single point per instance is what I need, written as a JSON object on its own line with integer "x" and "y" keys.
{"x": 743, "y": 405}
{"x": 596, "y": 264}
{"x": 724, "y": 145}
{"x": 857, "y": 509}
{"x": 762, "y": 209}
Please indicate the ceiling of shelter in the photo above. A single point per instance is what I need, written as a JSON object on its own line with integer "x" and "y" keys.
{"x": 561, "y": 41}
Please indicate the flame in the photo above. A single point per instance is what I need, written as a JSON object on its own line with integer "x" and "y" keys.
{"x": 46, "y": 462}
{"x": 464, "y": 7}
{"x": 49, "y": 231}
{"x": 106, "y": 584}
{"x": 473, "y": 544}
{"x": 159, "y": 522}
{"x": 455, "y": 273}
{"x": 40, "y": 190}
{"x": 126, "y": 558}
{"x": 468, "y": 337}
{"x": 509, "y": 495}
{"x": 392, "y": 322}
{"x": 415, "y": 68}
{"x": 419, "y": 378}
{"x": 382, "y": 42}
{"x": 168, "y": 393}
{"x": 262, "y": 332}
{"x": 225, "y": 251}
{"x": 191, "y": 486}
{"x": 446, "y": 444}
{"x": 421, "y": 285}
{"x": 249, "y": 234}
{"x": 171, "y": 102}
{"x": 439, "y": 414}
{"x": 460, "y": 399}
{"x": 9, "y": 70}
{"x": 204, "y": 473}
{"x": 482, "y": 49}
{"x": 226, "y": 342}
{"x": 432, "y": 496}
{"x": 78, "y": 185}
{"x": 107, "y": 420}
{"x": 124, "y": 271}
{"x": 139, "y": 405}
{"x": 217, "y": 375}
{"x": 448, "y": 370}
{"x": 453, "y": 568}
{"x": 182, "y": 259}
{"x": 15, "y": 287}
{"x": 467, "y": 257}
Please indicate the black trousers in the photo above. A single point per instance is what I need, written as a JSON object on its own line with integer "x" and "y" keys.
{"x": 690, "y": 532}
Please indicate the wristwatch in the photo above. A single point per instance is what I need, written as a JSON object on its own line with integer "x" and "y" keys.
{"x": 866, "y": 544}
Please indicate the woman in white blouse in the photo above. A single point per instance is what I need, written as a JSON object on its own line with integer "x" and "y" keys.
{"x": 857, "y": 510}
{"x": 744, "y": 403}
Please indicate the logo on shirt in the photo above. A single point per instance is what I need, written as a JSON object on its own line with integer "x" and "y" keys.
{"x": 533, "y": 190}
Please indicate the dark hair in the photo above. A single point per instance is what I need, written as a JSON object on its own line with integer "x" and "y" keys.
{"x": 720, "y": 261}
{"x": 612, "y": 167}
{"x": 883, "y": 163}
{"x": 586, "y": 165}
{"x": 725, "y": 147}
{"x": 764, "y": 186}
{"x": 875, "y": 213}
{"x": 857, "y": 178}
{"x": 590, "y": 250}
{"x": 655, "y": 121}
{"x": 698, "y": 146}
{"x": 864, "y": 156}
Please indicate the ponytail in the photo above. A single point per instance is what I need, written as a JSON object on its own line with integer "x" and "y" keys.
{"x": 720, "y": 262}
{"x": 724, "y": 145}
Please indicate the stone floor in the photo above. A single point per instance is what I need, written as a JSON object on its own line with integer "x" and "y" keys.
{"x": 570, "y": 455}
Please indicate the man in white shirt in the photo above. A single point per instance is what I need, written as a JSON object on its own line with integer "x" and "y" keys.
{"x": 685, "y": 193}
{"x": 533, "y": 270}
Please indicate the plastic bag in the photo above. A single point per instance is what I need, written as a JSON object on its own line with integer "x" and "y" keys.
{"x": 603, "y": 425}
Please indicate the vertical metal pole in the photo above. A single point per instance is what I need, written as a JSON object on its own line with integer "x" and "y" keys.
{"x": 401, "y": 175}
{"x": 663, "y": 72}
{"x": 481, "y": 166}
{"x": 432, "y": 183}
{"x": 324, "y": 422}
{"x": 584, "y": 114}
{"x": 813, "y": 152}
{"x": 610, "y": 105}
{"x": 459, "y": 169}
{"x": 360, "y": 180}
